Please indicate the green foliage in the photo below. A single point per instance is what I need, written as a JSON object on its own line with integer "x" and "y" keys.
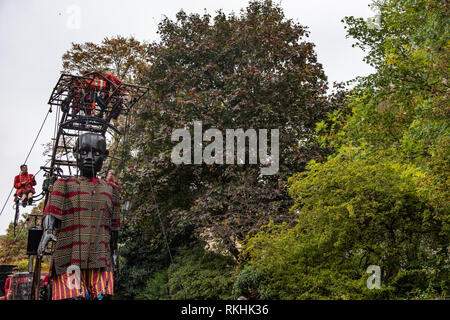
{"x": 382, "y": 198}
{"x": 197, "y": 274}
{"x": 22, "y": 265}
{"x": 247, "y": 284}
{"x": 224, "y": 71}
{"x": 156, "y": 287}
{"x": 351, "y": 213}
{"x": 403, "y": 107}
{"x": 142, "y": 254}
{"x": 13, "y": 247}
{"x": 125, "y": 57}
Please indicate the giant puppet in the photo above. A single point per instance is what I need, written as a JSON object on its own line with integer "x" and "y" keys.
{"x": 83, "y": 217}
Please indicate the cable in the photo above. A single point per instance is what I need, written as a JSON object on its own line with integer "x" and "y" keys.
{"x": 155, "y": 203}
{"x": 117, "y": 147}
{"x": 37, "y": 136}
{"x": 43, "y": 166}
{"x": 26, "y": 159}
{"x": 165, "y": 234}
{"x": 7, "y": 200}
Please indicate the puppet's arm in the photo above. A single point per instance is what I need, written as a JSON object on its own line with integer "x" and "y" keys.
{"x": 114, "y": 249}
{"x": 49, "y": 223}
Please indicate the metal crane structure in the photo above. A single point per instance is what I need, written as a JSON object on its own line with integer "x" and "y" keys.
{"x": 86, "y": 103}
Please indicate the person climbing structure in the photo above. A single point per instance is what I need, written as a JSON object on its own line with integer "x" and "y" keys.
{"x": 86, "y": 95}
{"x": 110, "y": 177}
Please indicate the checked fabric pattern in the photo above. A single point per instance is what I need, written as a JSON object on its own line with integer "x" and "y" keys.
{"x": 88, "y": 210}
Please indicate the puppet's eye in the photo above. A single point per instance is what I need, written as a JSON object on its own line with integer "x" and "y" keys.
{"x": 97, "y": 153}
{"x": 83, "y": 153}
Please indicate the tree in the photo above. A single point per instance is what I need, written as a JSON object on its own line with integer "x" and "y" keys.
{"x": 255, "y": 70}
{"x": 124, "y": 57}
{"x": 404, "y": 105}
{"x": 353, "y": 213}
{"x": 13, "y": 247}
{"x": 382, "y": 197}
{"x": 198, "y": 274}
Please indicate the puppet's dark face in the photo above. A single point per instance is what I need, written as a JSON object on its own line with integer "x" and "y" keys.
{"x": 90, "y": 152}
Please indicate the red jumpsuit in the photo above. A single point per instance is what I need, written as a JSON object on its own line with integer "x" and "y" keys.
{"x": 30, "y": 182}
{"x": 96, "y": 84}
{"x": 86, "y": 103}
{"x": 7, "y": 284}
{"x": 113, "y": 79}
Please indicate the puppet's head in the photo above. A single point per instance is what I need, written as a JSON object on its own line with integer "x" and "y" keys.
{"x": 90, "y": 152}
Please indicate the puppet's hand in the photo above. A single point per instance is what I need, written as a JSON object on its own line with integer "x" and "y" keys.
{"x": 47, "y": 223}
{"x": 46, "y": 238}
{"x": 115, "y": 260}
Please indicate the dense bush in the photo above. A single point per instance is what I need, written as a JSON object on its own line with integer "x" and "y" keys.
{"x": 353, "y": 212}
{"x": 197, "y": 274}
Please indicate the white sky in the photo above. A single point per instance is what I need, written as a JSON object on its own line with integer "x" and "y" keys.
{"x": 35, "y": 34}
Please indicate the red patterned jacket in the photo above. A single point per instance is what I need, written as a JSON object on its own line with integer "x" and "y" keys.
{"x": 30, "y": 182}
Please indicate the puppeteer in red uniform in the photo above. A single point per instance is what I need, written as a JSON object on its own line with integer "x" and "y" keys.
{"x": 87, "y": 95}
{"x": 24, "y": 183}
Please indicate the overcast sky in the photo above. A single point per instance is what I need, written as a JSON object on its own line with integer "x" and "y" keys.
{"x": 35, "y": 34}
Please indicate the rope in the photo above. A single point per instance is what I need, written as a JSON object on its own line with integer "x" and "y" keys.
{"x": 117, "y": 146}
{"x": 125, "y": 141}
{"x": 43, "y": 166}
{"x": 26, "y": 159}
{"x": 40, "y": 129}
